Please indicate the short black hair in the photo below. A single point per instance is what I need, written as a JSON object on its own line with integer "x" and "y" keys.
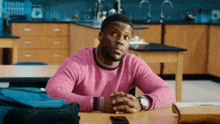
{"x": 115, "y": 17}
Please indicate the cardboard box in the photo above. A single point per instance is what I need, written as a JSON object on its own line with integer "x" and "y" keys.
{"x": 197, "y": 112}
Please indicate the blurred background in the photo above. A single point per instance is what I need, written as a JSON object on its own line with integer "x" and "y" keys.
{"x": 149, "y": 10}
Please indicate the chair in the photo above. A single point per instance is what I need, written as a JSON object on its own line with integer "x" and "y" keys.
{"x": 36, "y": 84}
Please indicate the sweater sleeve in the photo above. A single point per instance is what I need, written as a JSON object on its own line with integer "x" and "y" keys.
{"x": 153, "y": 86}
{"x": 61, "y": 85}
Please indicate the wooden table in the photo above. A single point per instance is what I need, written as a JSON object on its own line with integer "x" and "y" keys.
{"x": 9, "y": 73}
{"x": 159, "y": 116}
{"x": 156, "y": 57}
{"x": 159, "y": 53}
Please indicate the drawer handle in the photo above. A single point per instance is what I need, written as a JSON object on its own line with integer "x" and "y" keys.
{"x": 56, "y": 42}
{"x": 56, "y": 56}
{"x": 27, "y": 29}
{"x": 57, "y": 29}
{"x": 27, "y": 42}
{"x": 27, "y": 55}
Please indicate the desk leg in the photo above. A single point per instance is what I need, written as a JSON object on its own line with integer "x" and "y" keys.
{"x": 179, "y": 77}
{"x": 15, "y": 52}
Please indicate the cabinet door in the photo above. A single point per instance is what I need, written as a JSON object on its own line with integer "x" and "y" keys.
{"x": 194, "y": 38}
{"x": 214, "y": 51}
{"x": 152, "y": 34}
{"x": 42, "y": 55}
{"x": 55, "y": 29}
{"x": 27, "y": 29}
{"x": 43, "y": 43}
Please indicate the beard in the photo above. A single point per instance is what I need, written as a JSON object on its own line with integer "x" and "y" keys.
{"x": 114, "y": 58}
{"x": 108, "y": 55}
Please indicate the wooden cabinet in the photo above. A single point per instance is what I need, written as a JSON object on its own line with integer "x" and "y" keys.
{"x": 82, "y": 36}
{"x": 194, "y": 38}
{"x": 214, "y": 51}
{"x": 44, "y": 42}
{"x": 152, "y": 34}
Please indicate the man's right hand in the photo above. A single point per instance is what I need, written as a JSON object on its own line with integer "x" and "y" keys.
{"x": 128, "y": 101}
{"x": 108, "y": 106}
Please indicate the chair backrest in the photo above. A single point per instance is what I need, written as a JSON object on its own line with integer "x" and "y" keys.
{"x": 30, "y": 63}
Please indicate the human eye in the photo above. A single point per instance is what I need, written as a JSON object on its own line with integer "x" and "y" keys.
{"x": 127, "y": 37}
{"x": 113, "y": 33}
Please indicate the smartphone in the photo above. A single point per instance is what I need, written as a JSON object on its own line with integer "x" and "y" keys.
{"x": 119, "y": 120}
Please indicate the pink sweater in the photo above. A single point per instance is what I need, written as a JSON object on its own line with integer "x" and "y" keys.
{"x": 79, "y": 79}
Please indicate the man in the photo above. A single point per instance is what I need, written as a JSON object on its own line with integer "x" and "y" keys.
{"x": 100, "y": 78}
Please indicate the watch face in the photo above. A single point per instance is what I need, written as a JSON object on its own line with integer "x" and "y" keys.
{"x": 144, "y": 103}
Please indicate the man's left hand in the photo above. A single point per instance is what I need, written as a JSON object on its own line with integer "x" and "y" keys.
{"x": 125, "y": 103}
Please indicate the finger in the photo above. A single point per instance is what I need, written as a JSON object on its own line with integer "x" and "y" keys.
{"x": 119, "y": 93}
{"x": 129, "y": 103}
{"x": 124, "y": 108}
{"x": 120, "y": 100}
{"x": 122, "y": 94}
{"x": 119, "y": 112}
{"x": 131, "y": 96}
{"x": 120, "y": 108}
{"x": 131, "y": 110}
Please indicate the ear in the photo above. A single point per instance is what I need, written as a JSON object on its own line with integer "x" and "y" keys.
{"x": 100, "y": 36}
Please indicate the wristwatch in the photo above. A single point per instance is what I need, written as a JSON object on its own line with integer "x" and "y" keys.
{"x": 144, "y": 103}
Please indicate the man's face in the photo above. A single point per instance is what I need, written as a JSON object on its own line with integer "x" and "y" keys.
{"x": 115, "y": 40}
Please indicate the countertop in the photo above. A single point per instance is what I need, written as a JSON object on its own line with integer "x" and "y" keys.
{"x": 154, "y": 47}
{"x": 90, "y": 23}
{"x": 7, "y": 35}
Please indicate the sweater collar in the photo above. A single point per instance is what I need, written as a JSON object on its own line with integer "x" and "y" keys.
{"x": 100, "y": 64}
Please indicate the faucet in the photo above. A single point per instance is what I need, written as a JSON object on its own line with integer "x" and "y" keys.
{"x": 7, "y": 16}
{"x": 119, "y": 6}
{"x": 99, "y": 6}
{"x": 148, "y": 15}
{"x": 162, "y": 16}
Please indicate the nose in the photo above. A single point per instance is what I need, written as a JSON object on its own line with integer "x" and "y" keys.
{"x": 120, "y": 39}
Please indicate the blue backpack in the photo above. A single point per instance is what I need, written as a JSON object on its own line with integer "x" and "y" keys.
{"x": 34, "y": 106}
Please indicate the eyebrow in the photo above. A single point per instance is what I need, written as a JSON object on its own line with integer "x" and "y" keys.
{"x": 120, "y": 31}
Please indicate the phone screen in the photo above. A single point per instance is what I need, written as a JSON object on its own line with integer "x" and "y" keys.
{"x": 119, "y": 120}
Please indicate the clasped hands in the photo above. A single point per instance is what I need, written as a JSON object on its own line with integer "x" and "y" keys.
{"x": 120, "y": 102}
